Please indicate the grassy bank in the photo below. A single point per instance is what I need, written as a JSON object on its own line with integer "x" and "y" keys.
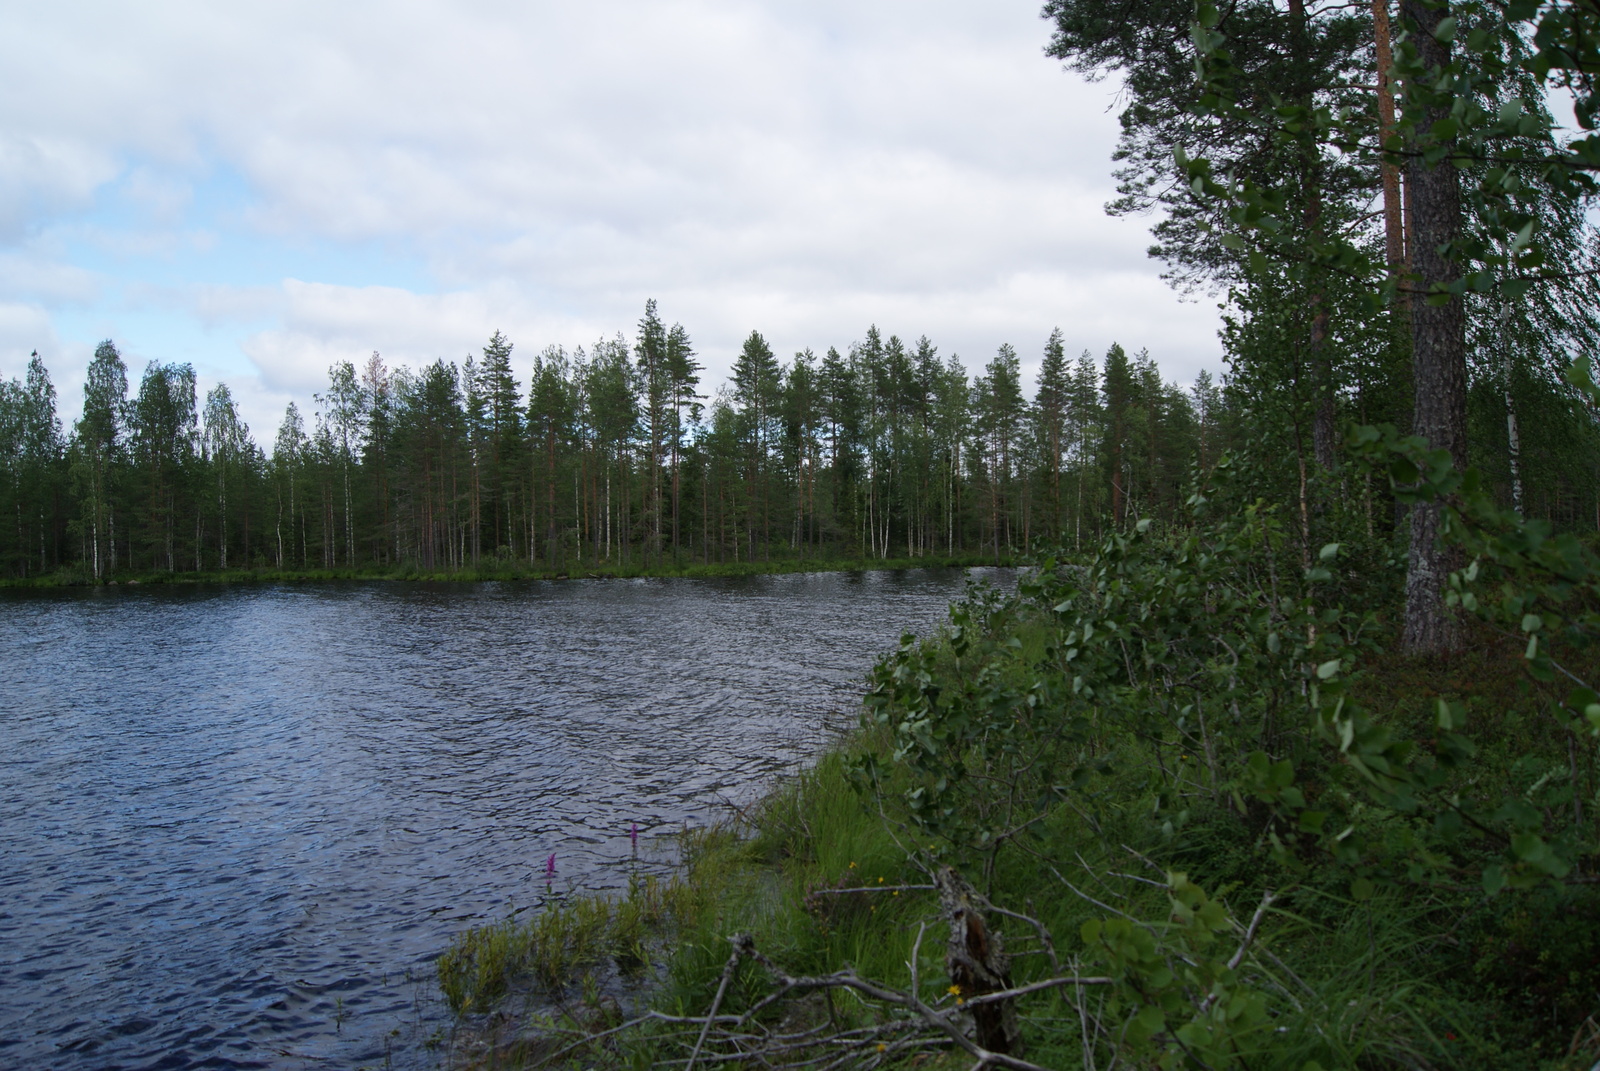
{"x": 507, "y": 571}
{"x": 825, "y": 877}
{"x": 1209, "y": 816}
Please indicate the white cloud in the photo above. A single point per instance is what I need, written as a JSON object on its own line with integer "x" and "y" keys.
{"x": 39, "y": 273}
{"x": 42, "y": 174}
{"x": 25, "y": 328}
{"x": 322, "y": 325}
{"x": 545, "y": 167}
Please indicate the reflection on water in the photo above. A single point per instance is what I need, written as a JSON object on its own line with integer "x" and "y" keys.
{"x": 238, "y": 824}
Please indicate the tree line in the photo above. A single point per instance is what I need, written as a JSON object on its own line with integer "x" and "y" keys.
{"x": 614, "y": 456}
{"x": 606, "y": 456}
{"x": 1397, "y": 226}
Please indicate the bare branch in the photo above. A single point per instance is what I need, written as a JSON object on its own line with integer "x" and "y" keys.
{"x": 740, "y": 942}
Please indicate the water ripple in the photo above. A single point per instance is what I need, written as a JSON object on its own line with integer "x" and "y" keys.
{"x": 239, "y": 824}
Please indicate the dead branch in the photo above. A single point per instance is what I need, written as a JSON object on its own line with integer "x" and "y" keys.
{"x": 872, "y": 888}
{"x": 740, "y": 943}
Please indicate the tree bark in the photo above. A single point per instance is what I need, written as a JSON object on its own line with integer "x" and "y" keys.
{"x": 977, "y": 965}
{"x": 1513, "y": 434}
{"x": 1394, "y": 244}
{"x": 1438, "y": 342}
{"x": 1323, "y": 442}
{"x": 1324, "y": 430}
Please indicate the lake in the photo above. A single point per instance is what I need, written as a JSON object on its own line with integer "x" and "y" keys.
{"x": 237, "y": 824}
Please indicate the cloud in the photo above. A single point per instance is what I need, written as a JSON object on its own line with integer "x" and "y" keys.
{"x": 41, "y": 274}
{"x": 43, "y": 175}
{"x": 322, "y": 325}
{"x": 25, "y": 328}
{"x": 256, "y": 170}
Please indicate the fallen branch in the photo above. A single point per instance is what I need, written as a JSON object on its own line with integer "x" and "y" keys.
{"x": 740, "y": 943}
{"x": 872, "y": 888}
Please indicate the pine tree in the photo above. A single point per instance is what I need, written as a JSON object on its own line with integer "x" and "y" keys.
{"x": 43, "y": 451}
{"x": 1052, "y": 405}
{"x": 498, "y": 384}
{"x": 550, "y": 424}
{"x": 683, "y": 376}
{"x": 1118, "y": 393}
{"x": 999, "y": 411}
{"x": 377, "y": 403}
{"x": 650, "y": 350}
{"x": 1438, "y": 331}
{"x": 345, "y": 411}
{"x": 164, "y": 428}
{"x": 101, "y": 439}
{"x": 841, "y": 402}
{"x": 1088, "y": 429}
{"x": 756, "y": 381}
{"x": 801, "y": 415}
{"x": 614, "y": 417}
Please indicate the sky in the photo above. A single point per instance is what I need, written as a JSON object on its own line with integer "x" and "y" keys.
{"x": 263, "y": 190}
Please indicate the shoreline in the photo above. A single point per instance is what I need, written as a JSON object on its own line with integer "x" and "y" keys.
{"x": 816, "y": 898}
{"x": 481, "y": 574}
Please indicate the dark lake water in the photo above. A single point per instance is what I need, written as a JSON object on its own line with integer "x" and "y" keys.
{"x": 238, "y": 824}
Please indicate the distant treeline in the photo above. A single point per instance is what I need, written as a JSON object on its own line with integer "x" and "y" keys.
{"x": 608, "y": 455}
{"x": 614, "y": 455}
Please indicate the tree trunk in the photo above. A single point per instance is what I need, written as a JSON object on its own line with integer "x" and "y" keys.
{"x": 1394, "y": 245}
{"x": 1324, "y": 436}
{"x": 1513, "y": 434}
{"x": 1322, "y": 425}
{"x": 1438, "y": 342}
{"x": 977, "y": 965}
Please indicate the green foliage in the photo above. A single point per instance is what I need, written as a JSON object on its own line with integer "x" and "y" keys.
{"x": 1192, "y": 698}
{"x": 609, "y": 464}
{"x": 1276, "y": 843}
{"x": 1191, "y": 755}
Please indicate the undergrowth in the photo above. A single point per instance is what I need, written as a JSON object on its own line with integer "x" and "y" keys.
{"x": 1217, "y": 821}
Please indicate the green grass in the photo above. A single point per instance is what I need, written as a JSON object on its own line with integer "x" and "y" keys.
{"x": 553, "y": 948}
{"x": 1377, "y": 993}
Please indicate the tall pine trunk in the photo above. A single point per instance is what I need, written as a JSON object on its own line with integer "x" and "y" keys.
{"x": 1438, "y": 343}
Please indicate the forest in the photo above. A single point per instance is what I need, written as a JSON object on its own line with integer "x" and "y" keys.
{"x": 611, "y": 456}
{"x": 615, "y": 456}
{"x": 1279, "y": 186}
{"x": 619, "y": 456}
